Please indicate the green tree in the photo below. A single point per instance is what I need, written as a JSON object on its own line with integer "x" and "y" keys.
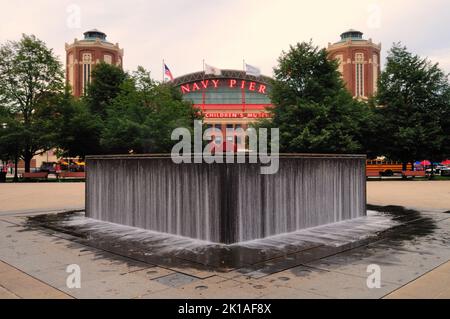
{"x": 313, "y": 109}
{"x": 79, "y": 122}
{"x": 11, "y": 138}
{"x": 105, "y": 86}
{"x": 30, "y": 77}
{"x": 78, "y": 130}
{"x": 414, "y": 104}
{"x": 142, "y": 116}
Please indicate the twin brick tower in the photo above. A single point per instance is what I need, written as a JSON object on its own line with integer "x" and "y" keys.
{"x": 83, "y": 55}
{"x": 359, "y": 61}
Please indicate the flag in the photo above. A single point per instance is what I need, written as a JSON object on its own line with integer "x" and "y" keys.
{"x": 252, "y": 70}
{"x": 212, "y": 70}
{"x": 167, "y": 72}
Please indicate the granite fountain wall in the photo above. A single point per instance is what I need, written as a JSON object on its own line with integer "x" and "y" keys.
{"x": 225, "y": 203}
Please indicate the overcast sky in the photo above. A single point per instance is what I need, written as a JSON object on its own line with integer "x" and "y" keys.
{"x": 224, "y": 32}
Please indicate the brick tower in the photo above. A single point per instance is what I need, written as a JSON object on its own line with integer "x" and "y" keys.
{"x": 359, "y": 63}
{"x": 82, "y": 55}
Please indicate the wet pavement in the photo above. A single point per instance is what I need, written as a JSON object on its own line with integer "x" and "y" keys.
{"x": 174, "y": 251}
{"x": 324, "y": 262}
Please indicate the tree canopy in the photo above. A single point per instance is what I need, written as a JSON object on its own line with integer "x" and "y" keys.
{"x": 414, "y": 105}
{"x": 30, "y": 77}
{"x": 313, "y": 109}
{"x": 78, "y": 130}
{"x": 105, "y": 86}
{"x": 134, "y": 114}
{"x": 143, "y": 115}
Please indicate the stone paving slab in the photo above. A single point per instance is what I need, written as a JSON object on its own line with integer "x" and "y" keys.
{"x": 6, "y": 294}
{"x": 435, "y": 285}
{"x": 91, "y": 269}
{"x": 329, "y": 284}
{"x": 170, "y": 293}
{"x": 15, "y": 284}
{"x": 397, "y": 272}
{"x": 63, "y": 196}
{"x": 117, "y": 286}
{"x": 217, "y": 287}
{"x": 291, "y": 261}
{"x": 420, "y": 195}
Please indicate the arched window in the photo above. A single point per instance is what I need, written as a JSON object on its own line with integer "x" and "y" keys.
{"x": 87, "y": 62}
{"x": 107, "y": 58}
{"x": 359, "y": 74}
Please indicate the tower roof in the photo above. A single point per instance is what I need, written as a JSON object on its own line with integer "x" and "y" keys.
{"x": 94, "y": 34}
{"x": 352, "y": 35}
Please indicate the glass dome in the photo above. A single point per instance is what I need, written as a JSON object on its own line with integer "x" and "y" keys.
{"x": 94, "y": 34}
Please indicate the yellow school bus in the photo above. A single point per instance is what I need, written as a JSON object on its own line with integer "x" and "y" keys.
{"x": 385, "y": 167}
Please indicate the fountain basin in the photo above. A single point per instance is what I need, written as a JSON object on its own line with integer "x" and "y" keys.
{"x": 225, "y": 202}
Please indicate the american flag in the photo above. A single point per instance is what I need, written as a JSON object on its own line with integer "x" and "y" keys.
{"x": 167, "y": 72}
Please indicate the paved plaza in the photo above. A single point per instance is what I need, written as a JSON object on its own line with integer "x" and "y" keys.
{"x": 415, "y": 263}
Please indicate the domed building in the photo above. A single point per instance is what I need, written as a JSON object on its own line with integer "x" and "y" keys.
{"x": 82, "y": 55}
{"x": 231, "y": 100}
{"x": 359, "y": 63}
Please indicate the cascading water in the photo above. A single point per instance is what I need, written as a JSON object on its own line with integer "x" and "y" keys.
{"x": 225, "y": 203}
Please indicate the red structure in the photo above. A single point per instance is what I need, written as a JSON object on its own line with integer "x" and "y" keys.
{"x": 82, "y": 55}
{"x": 359, "y": 63}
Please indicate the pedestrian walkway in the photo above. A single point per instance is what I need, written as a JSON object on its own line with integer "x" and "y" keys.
{"x": 33, "y": 262}
{"x": 419, "y": 195}
{"x": 433, "y": 285}
{"x": 40, "y": 197}
{"x": 15, "y": 284}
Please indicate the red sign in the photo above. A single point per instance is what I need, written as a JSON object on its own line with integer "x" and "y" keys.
{"x": 259, "y": 115}
{"x": 230, "y": 83}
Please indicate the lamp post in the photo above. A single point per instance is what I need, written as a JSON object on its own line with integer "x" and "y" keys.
{"x": 4, "y": 126}
{"x": 16, "y": 156}
{"x": 3, "y": 172}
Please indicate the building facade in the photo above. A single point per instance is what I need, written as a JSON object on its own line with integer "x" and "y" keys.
{"x": 82, "y": 55}
{"x": 230, "y": 100}
{"x": 359, "y": 63}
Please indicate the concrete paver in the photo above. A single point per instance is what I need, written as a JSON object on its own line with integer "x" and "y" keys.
{"x": 434, "y": 285}
{"x": 20, "y": 197}
{"x": 16, "y": 284}
{"x": 421, "y": 195}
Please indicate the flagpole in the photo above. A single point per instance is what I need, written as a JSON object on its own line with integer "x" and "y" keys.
{"x": 163, "y": 70}
{"x": 203, "y": 89}
{"x": 243, "y": 90}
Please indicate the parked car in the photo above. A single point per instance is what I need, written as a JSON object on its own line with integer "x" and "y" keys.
{"x": 437, "y": 169}
{"x": 445, "y": 171}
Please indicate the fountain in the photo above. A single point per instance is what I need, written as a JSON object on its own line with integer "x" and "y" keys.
{"x": 222, "y": 202}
